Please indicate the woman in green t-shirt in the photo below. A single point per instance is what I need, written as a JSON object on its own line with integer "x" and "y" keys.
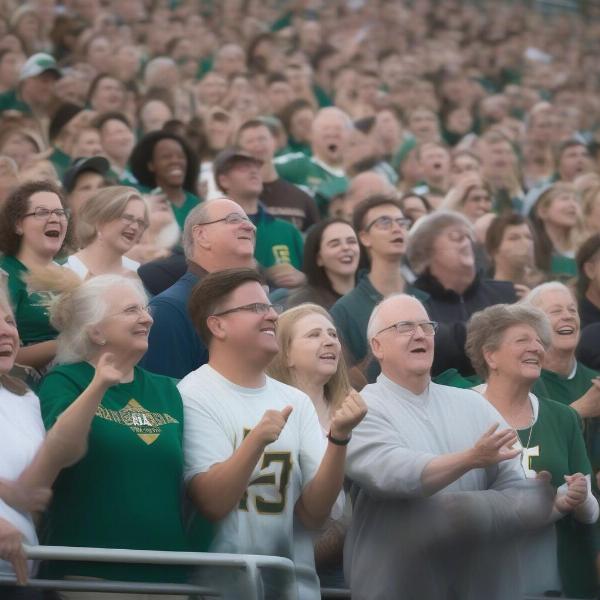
{"x": 126, "y": 491}
{"x": 507, "y": 344}
{"x": 33, "y": 229}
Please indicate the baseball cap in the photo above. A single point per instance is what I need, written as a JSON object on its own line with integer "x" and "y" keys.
{"x": 96, "y": 164}
{"x": 225, "y": 159}
{"x": 37, "y": 64}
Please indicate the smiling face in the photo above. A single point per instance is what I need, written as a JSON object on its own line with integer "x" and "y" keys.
{"x": 561, "y": 308}
{"x": 9, "y": 338}
{"x": 125, "y": 328}
{"x": 562, "y": 211}
{"x": 339, "y": 251}
{"x": 44, "y": 236}
{"x": 314, "y": 351}
{"x": 121, "y": 234}
{"x": 519, "y": 355}
{"x": 169, "y": 164}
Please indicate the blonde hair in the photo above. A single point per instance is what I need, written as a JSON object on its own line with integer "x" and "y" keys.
{"x": 105, "y": 206}
{"x": 338, "y": 386}
{"x": 546, "y": 199}
{"x": 75, "y": 306}
{"x": 588, "y": 199}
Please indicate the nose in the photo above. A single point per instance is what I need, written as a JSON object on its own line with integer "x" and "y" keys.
{"x": 419, "y": 333}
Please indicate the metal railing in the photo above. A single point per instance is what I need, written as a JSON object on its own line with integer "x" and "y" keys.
{"x": 248, "y": 565}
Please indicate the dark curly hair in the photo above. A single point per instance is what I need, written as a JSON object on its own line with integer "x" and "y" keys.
{"x": 143, "y": 154}
{"x": 16, "y": 207}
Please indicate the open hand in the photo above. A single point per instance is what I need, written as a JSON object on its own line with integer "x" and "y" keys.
{"x": 108, "y": 372}
{"x": 495, "y": 446}
{"x": 11, "y": 550}
{"x": 350, "y": 413}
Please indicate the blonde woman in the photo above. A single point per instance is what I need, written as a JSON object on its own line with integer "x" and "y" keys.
{"x": 108, "y": 226}
{"x": 557, "y": 221}
{"x": 310, "y": 359}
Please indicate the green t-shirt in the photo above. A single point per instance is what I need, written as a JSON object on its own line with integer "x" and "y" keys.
{"x": 10, "y": 101}
{"x": 32, "y": 316}
{"x": 563, "y": 266}
{"x": 126, "y": 492}
{"x": 60, "y": 161}
{"x": 180, "y": 212}
{"x": 277, "y": 241}
{"x": 557, "y": 440}
{"x": 452, "y": 378}
{"x": 568, "y": 389}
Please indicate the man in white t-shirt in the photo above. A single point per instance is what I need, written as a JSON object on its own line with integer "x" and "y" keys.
{"x": 254, "y": 457}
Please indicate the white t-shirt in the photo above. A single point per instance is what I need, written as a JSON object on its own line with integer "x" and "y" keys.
{"x": 78, "y": 266}
{"x": 218, "y": 415}
{"x": 21, "y": 434}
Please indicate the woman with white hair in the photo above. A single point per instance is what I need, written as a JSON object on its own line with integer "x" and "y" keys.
{"x": 507, "y": 345}
{"x": 135, "y": 425}
{"x": 109, "y": 225}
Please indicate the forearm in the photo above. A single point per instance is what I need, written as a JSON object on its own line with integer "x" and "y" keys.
{"x": 37, "y": 355}
{"x": 219, "y": 490}
{"x": 66, "y": 442}
{"x": 317, "y": 499}
{"x": 444, "y": 470}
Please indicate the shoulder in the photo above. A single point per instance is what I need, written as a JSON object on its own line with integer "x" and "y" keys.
{"x": 155, "y": 379}
{"x": 292, "y": 158}
{"x": 130, "y": 264}
{"x": 585, "y": 372}
{"x": 504, "y": 290}
{"x": 556, "y": 410}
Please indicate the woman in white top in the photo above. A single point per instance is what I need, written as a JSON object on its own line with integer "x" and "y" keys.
{"x": 109, "y": 225}
{"x": 311, "y": 359}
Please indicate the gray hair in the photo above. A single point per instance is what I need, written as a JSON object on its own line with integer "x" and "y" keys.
{"x": 425, "y": 231}
{"x": 373, "y": 323}
{"x": 534, "y": 297}
{"x": 155, "y": 66}
{"x": 487, "y": 327}
{"x": 73, "y": 312}
{"x": 198, "y": 215}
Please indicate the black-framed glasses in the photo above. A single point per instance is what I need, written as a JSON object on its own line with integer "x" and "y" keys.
{"x": 385, "y": 223}
{"x": 410, "y": 327}
{"x": 43, "y": 214}
{"x": 258, "y": 308}
{"x": 131, "y": 220}
{"x": 233, "y": 218}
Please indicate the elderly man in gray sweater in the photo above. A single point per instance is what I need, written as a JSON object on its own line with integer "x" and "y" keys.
{"x": 439, "y": 493}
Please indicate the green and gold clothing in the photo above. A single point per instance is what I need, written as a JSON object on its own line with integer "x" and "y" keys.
{"x": 555, "y": 444}
{"x": 60, "y": 161}
{"x": 32, "y": 316}
{"x": 126, "y": 492}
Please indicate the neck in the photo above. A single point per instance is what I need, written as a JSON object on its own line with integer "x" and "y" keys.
{"x": 559, "y": 361}
{"x": 385, "y": 275}
{"x": 333, "y": 164}
{"x": 175, "y": 194}
{"x": 341, "y": 284}
{"x": 593, "y": 295}
{"x": 504, "y": 271}
{"x": 212, "y": 263}
{"x": 560, "y": 237}
{"x": 32, "y": 259}
{"x": 236, "y": 369}
{"x": 458, "y": 280}
{"x": 100, "y": 259}
{"x": 268, "y": 172}
{"x": 414, "y": 382}
{"x": 118, "y": 161}
{"x": 315, "y": 390}
{"x": 510, "y": 397}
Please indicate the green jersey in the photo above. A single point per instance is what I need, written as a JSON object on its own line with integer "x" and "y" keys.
{"x": 306, "y": 171}
{"x": 10, "y": 101}
{"x": 126, "y": 492}
{"x": 568, "y": 389}
{"x": 181, "y": 212}
{"x": 277, "y": 241}
{"x": 555, "y": 444}
{"x": 32, "y": 316}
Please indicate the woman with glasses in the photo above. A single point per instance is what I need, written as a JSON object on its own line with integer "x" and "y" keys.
{"x": 108, "y": 226}
{"x": 310, "y": 359}
{"x": 126, "y": 491}
{"x": 33, "y": 230}
{"x": 331, "y": 255}
{"x": 507, "y": 345}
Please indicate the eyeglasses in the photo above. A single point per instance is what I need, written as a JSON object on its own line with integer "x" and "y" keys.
{"x": 410, "y": 327}
{"x": 130, "y": 220}
{"x": 257, "y": 308}
{"x": 43, "y": 214}
{"x": 385, "y": 223}
{"x": 231, "y": 219}
{"x": 135, "y": 310}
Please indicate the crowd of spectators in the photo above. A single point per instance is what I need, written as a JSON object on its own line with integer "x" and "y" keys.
{"x": 414, "y": 185}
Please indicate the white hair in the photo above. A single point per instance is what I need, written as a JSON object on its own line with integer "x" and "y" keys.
{"x": 73, "y": 312}
{"x": 155, "y": 66}
{"x": 373, "y": 325}
{"x": 534, "y": 297}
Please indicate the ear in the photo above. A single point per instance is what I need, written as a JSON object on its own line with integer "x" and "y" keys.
{"x": 96, "y": 336}
{"x": 363, "y": 237}
{"x": 199, "y": 237}
{"x": 588, "y": 269}
{"x": 490, "y": 358}
{"x": 216, "y": 327}
{"x": 376, "y": 348}
{"x": 319, "y": 260}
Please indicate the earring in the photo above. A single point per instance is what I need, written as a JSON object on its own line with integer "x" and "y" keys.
{"x": 102, "y": 342}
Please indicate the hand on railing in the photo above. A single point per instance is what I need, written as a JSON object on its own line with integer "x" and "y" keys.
{"x": 11, "y": 550}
